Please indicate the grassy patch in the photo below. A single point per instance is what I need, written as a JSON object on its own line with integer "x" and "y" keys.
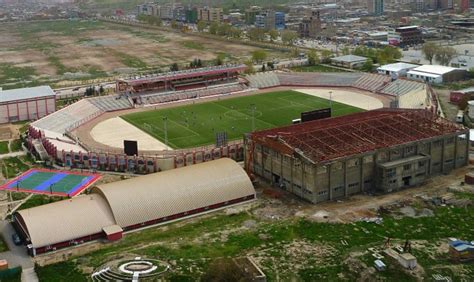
{"x": 3, "y": 245}
{"x": 193, "y": 45}
{"x": 15, "y": 145}
{"x": 195, "y": 244}
{"x": 60, "y": 67}
{"x": 39, "y": 200}
{"x": 13, "y": 166}
{"x": 196, "y": 125}
{"x": 131, "y": 61}
{"x": 316, "y": 68}
{"x": 4, "y": 147}
{"x": 63, "y": 28}
{"x": 12, "y": 74}
{"x": 63, "y": 271}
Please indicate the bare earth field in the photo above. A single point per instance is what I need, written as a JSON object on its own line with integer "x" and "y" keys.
{"x": 58, "y": 50}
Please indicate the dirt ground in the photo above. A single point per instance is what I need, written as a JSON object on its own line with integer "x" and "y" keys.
{"x": 278, "y": 204}
{"x": 450, "y": 109}
{"x": 9, "y": 131}
{"x": 107, "y": 47}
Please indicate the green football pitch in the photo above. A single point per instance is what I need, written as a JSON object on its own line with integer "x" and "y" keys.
{"x": 197, "y": 125}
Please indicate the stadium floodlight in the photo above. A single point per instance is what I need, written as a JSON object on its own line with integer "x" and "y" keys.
{"x": 330, "y": 99}
{"x": 165, "y": 127}
{"x": 253, "y": 108}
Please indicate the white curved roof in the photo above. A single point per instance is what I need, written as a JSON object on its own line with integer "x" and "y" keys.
{"x": 162, "y": 194}
{"x": 66, "y": 220}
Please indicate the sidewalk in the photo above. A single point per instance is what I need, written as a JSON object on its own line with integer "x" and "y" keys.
{"x": 17, "y": 255}
{"x": 14, "y": 154}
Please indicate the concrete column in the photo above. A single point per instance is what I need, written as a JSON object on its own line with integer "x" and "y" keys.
{"x": 430, "y": 161}
{"x": 315, "y": 186}
{"x": 468, "y": 144}
{"x": 442, "y": 154}
{"x": 346, "y": 186}
{"x": 291, "y": 175}
{"x": 329, "y": 181}
{"x": 455, "y": 152}
{"x": 361, "y": 181}
{"x": 303, "y": 174}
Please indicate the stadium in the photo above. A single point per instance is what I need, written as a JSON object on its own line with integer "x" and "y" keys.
{"x": 198, "y": 124}
{"x": 188, "y": 117}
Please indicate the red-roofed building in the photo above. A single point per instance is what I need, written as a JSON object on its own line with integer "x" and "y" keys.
{"x": 380, "y": 151}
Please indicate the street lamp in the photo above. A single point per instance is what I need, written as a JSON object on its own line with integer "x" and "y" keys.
{"x": 165, "y": 126}
{"x": 252, "y": 108}
{"x": 330, "y": 99}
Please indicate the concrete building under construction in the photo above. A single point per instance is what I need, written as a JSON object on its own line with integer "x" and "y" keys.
{"x": 379, "y": 151}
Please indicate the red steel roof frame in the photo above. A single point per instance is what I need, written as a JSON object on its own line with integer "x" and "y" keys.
{"x": 333, "y": 138}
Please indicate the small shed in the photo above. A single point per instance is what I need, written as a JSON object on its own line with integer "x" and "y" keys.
{"x": 379, "y": 265}
{"x": 457, "y": 95}
{"x": 407, "y": 260}
{"x": 113, "y": 232}
{"x": 349, "y": 61}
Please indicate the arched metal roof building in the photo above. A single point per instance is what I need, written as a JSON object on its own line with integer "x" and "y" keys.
{"x": 142, "y": 199}
{"x": 65, "y": 220}
{"x": 134, "y": 203}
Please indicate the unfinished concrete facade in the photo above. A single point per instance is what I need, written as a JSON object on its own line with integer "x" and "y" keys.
{"x": 378, "y": 151}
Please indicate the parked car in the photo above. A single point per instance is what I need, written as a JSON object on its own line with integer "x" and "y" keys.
{"x": 16, "y": 239}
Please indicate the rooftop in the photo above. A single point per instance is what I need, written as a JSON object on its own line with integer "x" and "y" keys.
{"x": 333, "y": 138}
{"x": 397, "y": 67}
{"x": 25, "y": 93}
{"x": 349, "y": 58}
{"x": 434, "y": 69}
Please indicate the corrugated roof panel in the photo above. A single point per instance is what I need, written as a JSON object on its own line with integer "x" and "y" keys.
{"x": 163, "y": 194}
{"x": 67, "y": 220}
{"x": 25, "y": 93}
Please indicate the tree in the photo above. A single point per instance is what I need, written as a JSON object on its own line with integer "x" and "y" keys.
{"x": 263, "y": 67}
{"x": 313, "y": 58}
{"x": 429, "y": 50}
{"x": 273, "y": 33}
{"x": 174, "y": 67}
{"x": 101, "y": 90}
{"x": 471, "y": 72}
{"x": 250, "y": 69}
{"x": 259, "y": 55}
{"x": 368, "y": 66}
{"x": 201, "y": 26}
{"x": 174, "y": 24}
{"x": 224, "y": 29}
{"x": 387, "y": 54}
{"x": 220, "y": 59}
{"x": 326, "y": 56}
{"x": 345, "y": 50}
{"x": 288, "y": 36}
{"x": 235, "y": 32}
{"x": 271, "y": 65}
{"x": 444, "y": 55}
{"x": 256, "y": 34}
{"x": 213, "y": 28}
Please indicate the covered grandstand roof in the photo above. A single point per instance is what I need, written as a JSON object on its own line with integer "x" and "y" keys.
{"x": 135, "y": 201}
{"x": 174, "y": 191}
{"x": 332, "y": 138}
{"x": 67, "y": 220}
{"x": 185, "y": 74}
{"x": 25, "y": 93}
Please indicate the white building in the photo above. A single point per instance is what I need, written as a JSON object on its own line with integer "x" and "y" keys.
{"x": 26, "y": 103}
{"x": 349, "y": 61}
{"x": 436, "y": 74}
{"x": 396, "y": 70}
